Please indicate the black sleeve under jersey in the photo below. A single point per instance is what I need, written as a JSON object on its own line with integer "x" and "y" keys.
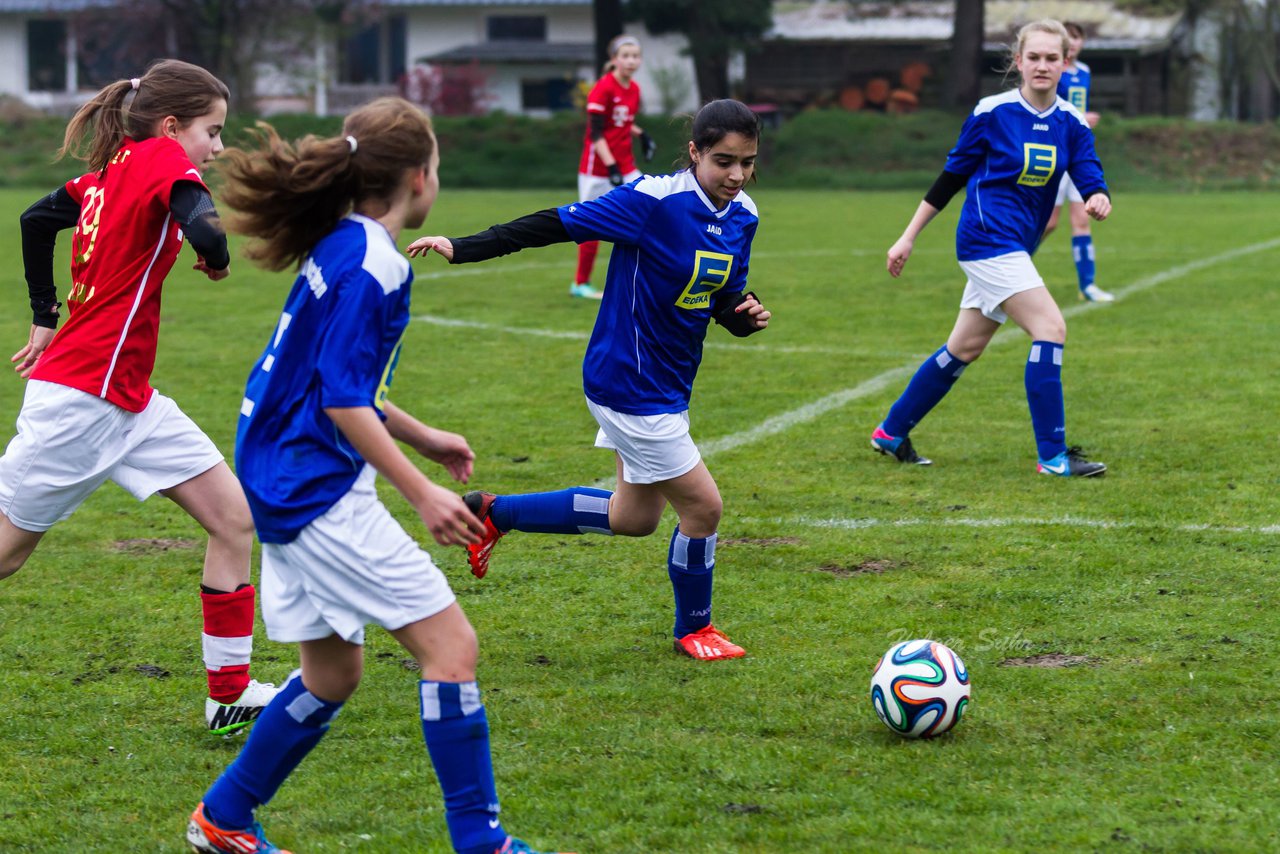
{"x": 193, "y": 209}
{"x": 537, "y": 229}
{"x": 40, "y": 225}
{"x": 945, "y": 188}
{"x": 595, "y": 121}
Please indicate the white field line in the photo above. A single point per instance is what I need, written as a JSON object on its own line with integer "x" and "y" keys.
{"x": 835, "y": 400}
{"x": 1027, "y": 522}
{"x": 436, "y": 320}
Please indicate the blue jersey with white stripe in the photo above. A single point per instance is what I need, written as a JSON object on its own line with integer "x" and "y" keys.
{"x": 1073, "y": 86}
{"x": 335, "y": 345}
{"x": 1015, "y": 156}
{"x": 675, "y": 258}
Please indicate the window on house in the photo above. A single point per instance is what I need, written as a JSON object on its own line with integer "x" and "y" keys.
{"x": 46, "y": 56}
{"x": 555, "y": 93}
{"x": 375, "y": 54}
{"x": 520, "y": 28}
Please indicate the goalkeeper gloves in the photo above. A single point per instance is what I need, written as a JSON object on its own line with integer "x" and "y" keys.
{"x": 615, "y": 175}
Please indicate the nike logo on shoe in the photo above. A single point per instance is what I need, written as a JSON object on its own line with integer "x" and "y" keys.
{"x": 1060, "y": 468}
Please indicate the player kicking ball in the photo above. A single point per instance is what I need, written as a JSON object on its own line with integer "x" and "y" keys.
{"x": 682, "y": 246}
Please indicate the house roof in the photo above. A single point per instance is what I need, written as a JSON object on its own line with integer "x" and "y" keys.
{"x": 509, "y": 52}
{"x": 1106, "y": 25}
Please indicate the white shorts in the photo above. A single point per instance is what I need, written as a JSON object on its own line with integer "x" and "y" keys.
{"x": 994, "y": 280}
{"x": 653, "y": 448}
{"x": 1067, "y": 190}
{"x": 352, "y": 566}
{"x": 69, "y": 442}
{"x": 593, "y": 186}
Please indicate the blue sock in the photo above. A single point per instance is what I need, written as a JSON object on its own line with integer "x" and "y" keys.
{"x": 577, "y": 510}
{"x": 689, "y": 564}
{"x": 1082, "y": 251}
{"x": 1044, "y": 397}
{"x": 457, "y": 735}
{"x": 290, "y": 725}
{"x": 932, "y": 380}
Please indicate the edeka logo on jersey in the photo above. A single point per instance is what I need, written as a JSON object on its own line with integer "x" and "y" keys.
{"x": 1039, "y": 162}
{"x": 710, "y": 274}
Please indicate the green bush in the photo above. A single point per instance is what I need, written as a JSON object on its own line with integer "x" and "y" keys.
{"x": 816, "y": 149}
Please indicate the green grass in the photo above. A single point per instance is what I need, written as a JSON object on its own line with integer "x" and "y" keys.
{"x": 1161, "y": 576}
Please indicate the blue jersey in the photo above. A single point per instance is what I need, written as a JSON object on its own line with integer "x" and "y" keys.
{"x": 1073, "y": 86}
{"x": 336, "y": 345}
{"x": 675, "y": 258}
{"x": 1015, "y": 157}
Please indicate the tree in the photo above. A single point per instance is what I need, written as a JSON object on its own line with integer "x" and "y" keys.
{"x": 966, "y": 53}
{"x": 608, "y": 19}
{"x": 715, "y": 30}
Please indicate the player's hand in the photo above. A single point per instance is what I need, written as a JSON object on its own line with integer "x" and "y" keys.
{"x": 648, "y": 146}
{"x": 754, "y": 310}
{"x": 214, "y": 275}
{"x": 447, "y": 517}
{"x": 449, "y": 450}
{"x": 615, "y": 175}
{"x": 898, "y": 255}
{"x": 27, "y": 357}
{"x": 440, "y": 245}
{"x": 1098, "y": 206}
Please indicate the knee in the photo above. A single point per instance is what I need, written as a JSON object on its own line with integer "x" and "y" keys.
{"x": 633, "y": 524}
{"x": 1052, "y": 330}
{"x": 704, "y": 521}
{"x": 455, "y": 660}
{"x": 967, "y": 353}
{"x": 234, "y": 524}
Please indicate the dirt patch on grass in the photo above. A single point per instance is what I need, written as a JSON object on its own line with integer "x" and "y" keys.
{"x": 154, "y": 545}
{"x": 1048, "y": 659}
{"x": 871, "y": 566}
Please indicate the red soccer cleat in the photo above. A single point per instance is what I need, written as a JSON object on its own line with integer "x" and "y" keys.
{"x": 708, "y": 644}
{"x": 478, "y": 554}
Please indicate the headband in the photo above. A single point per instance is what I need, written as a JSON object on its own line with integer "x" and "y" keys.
{"x": 625, "y": 40}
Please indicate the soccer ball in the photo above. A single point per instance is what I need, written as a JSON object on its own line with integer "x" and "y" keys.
{"x": 920, "y": 688}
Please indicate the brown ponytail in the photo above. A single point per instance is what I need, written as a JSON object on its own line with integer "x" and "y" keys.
{"x": 287, "y": 196}
{"x": 169, "y": 87}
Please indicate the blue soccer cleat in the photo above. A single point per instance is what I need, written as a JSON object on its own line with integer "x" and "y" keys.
{"x": 514, "y": 846}
{"x": 1070, "y": 463}
{"x": 898, "y": 448}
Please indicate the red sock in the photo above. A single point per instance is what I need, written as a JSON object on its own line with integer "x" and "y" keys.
{"x": 586, "y": 260}
{"x": 228, "y": 641}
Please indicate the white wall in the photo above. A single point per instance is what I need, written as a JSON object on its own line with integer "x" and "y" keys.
{"x": 13, "y": 47}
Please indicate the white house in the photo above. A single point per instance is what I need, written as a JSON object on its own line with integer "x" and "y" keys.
{"x": 533, "y": 53}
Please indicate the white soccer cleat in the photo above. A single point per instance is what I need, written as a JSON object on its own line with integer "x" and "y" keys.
{"x": 1093, "y": 293}
{"x": 224, "y": 718}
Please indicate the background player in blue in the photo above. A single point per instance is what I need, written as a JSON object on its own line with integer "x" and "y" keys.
{"x": 682, "y": 245}
{"x": 315, "y": 429}
{"x": 1073, "y": 87}
{"x": 1011, "y": 151}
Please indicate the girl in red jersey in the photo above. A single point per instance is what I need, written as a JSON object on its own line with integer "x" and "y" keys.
{"x": 89, "y": 413}
{"x": 607, "y": 160}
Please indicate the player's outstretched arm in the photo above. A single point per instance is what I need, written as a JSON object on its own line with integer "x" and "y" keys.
{"x": 441, "y": 510}
{"x": 442, "y": 246}
{"x": 448, "y": 449}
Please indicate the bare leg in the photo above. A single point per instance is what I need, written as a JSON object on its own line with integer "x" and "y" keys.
{"x": 216, "y": 501}
{"x": 16, "y": 545}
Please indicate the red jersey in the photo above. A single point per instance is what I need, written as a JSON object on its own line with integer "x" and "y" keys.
{"x": 619, "y": 105}
{"x": 124, "y": 245}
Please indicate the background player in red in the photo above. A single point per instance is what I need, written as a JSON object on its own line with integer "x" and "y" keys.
{"x": 607, "y": 159}
{"x": 89, "y": 413}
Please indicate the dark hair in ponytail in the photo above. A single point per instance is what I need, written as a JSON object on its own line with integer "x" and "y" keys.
{"x": 170, "y": 87}
{"x": 720, "y": 118}
{"x": 287, "y": 196}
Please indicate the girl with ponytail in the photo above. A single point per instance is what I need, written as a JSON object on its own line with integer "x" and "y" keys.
{"x": 315, "y": 429}
{"x": 90, "y": 413}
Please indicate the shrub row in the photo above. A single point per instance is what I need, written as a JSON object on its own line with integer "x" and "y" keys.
{"x": 812, "y": 150}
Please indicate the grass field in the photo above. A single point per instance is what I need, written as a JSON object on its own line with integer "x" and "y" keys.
{"x": 1120, "y": 632}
